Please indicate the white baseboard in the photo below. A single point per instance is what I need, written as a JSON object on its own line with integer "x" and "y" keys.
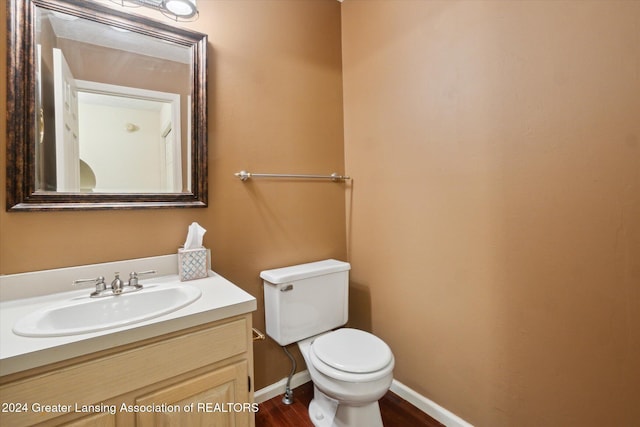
{"x": 427, "y": 406}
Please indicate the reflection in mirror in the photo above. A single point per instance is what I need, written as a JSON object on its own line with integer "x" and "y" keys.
{"x": 130, "y": 143}
{"x": 119, "y": 109}
{"x": 122, "y": 120}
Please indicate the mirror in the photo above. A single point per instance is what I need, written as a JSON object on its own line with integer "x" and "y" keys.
{"x": 105, "y": 109}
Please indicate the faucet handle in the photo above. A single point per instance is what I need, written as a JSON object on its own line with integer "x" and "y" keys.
{"x": 98, "y": 281}
{"x": 142, "y": 273}
{"x": 133, "y": 277}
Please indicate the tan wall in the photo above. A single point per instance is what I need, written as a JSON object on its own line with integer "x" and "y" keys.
{"x": 494, "y": 222}
{"x": 275, "y": 105}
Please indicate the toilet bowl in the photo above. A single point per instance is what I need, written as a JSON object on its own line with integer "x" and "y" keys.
{"x": 350, "y": 369}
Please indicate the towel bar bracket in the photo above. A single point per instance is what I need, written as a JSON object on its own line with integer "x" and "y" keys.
{"x": 257, "y": 335}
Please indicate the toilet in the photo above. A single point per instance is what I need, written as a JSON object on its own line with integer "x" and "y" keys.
{"x": 350, "y": 369}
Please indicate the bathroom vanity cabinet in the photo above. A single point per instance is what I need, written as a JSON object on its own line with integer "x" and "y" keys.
{"x": 201, "y": 375}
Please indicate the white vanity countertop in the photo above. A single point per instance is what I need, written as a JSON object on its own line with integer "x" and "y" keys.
{"x": 220, "y": 299}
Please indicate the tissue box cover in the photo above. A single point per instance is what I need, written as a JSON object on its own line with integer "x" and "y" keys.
{"x": 193, "y": 263}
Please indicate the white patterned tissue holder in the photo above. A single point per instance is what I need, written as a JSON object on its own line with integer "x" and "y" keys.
{"x": 193, "y": 263}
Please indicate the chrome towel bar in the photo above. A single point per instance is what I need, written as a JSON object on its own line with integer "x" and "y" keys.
{"x": 244, "y": 175}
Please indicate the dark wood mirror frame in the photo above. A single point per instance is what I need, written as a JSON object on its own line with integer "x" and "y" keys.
{"x": 21, "y": 117}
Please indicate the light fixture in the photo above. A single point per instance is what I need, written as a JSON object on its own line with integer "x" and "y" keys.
{"x": 178, "y": 10}
{"x": 183, "y": 8}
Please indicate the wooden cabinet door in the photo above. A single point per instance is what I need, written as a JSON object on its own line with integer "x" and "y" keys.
{"x": 218, "y": 398}
{"x": 96, "y": 420}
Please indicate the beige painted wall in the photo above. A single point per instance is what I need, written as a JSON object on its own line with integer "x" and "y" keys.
{"x": 275, "y": 105}
{"x": 494, "y": 220}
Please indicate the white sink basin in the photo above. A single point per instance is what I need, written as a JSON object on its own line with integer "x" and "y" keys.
{"x": 82, "y": 315}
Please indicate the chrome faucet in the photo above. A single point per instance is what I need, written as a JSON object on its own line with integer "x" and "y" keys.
{"x": 117, "y": 286}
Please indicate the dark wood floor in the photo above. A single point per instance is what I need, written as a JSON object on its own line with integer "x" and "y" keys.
{"x": 395, "y": 411}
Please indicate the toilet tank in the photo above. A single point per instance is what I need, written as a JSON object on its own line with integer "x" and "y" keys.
{"x": 306, "y": 299}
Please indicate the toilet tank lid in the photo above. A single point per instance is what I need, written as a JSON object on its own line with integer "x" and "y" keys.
{"x": 304, "y": 271}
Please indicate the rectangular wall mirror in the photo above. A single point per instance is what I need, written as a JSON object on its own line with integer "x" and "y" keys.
{"x": 106, "y": 109}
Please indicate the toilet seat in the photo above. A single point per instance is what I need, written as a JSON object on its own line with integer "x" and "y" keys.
{"x": 351, "y": 355}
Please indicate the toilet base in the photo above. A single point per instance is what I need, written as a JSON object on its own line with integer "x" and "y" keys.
{"x": 327, "y": 412}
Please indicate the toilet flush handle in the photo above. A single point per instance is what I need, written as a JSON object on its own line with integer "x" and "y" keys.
{"x": 287, "y": 288}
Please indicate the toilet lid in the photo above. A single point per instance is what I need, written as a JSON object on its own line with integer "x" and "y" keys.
{"x": 352, "y": 350}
